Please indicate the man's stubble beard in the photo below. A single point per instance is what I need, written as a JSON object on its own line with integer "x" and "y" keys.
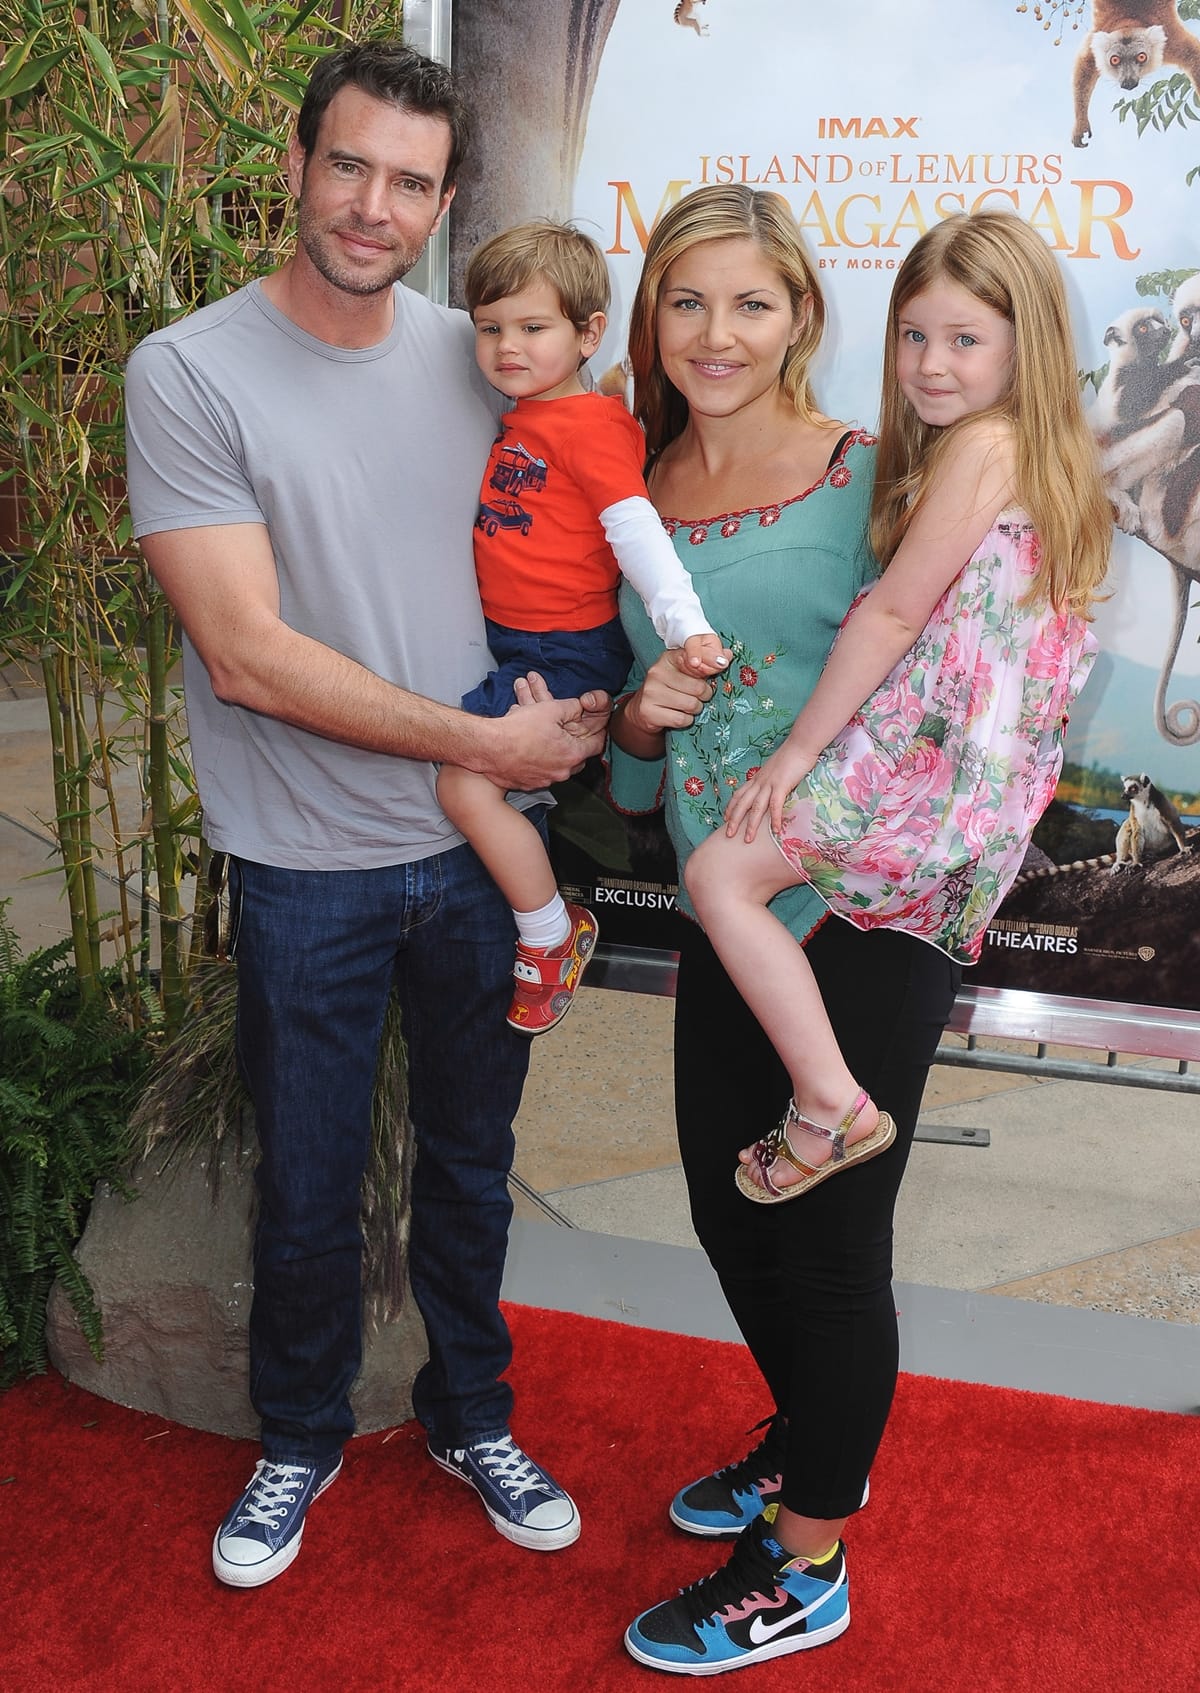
{"x": 317, "y": 244}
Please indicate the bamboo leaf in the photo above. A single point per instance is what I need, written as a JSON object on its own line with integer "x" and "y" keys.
{"x": 302, "y": 16}
{"x": 29, "y": 362}
{"x": 231, "y": 183}
{"x": 80, "y": 444}
{"x": 219, "y": 238}
{"x": 100, "y": 56}
{"x": 163, "y": 142}
{"x": 62, "y": 304}
{"x": 83, "y": 125}
{"x": 16, "y": 57}
{"x": 19, "y": 73}
{"x": 156, "y": 54}
{"x": 234, "y": 125}
{"x": 242, "y": 23}
{"x": 29, "y": 408}
{"x": 142, "y": 78}
{"x": 223, "y": 45}
{"x": 104, "y": 177}
{"x": 289, "y": 91}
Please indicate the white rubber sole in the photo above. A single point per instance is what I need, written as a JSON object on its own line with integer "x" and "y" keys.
{"x": 756, "y": 1654}
{"x": 257, "y": 1575}
{"x": 532, "y": 1539}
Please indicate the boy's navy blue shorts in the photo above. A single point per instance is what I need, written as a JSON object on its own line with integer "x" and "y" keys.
{"x": 571, "y": 661}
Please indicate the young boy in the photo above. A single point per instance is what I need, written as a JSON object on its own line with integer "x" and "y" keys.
{"x": 563, "y": 515}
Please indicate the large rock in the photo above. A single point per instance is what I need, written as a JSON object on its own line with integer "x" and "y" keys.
{"x": 171, "y": 1271}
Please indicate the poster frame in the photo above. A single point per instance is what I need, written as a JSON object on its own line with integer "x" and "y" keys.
{"x": 1015, "y": 1014}
{"x": 427, "y": 25}
{"x": 1012, "y": 1014}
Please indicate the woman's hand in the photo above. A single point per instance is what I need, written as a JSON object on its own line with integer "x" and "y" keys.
{"x": 767, "y": 794}
{"x": 669, "y": 698}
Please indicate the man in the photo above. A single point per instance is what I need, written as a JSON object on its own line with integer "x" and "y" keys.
{"x": 304, "y": 463}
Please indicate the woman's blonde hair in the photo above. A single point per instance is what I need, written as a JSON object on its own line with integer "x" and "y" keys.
{"x": 720, "y": 213}
{"x": 1004, "y": 263}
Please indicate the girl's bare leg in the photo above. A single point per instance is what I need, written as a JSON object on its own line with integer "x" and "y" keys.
{"x": 731, "y": 881}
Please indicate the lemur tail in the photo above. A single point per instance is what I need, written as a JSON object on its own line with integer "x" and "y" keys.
{"x": 1061, "y": 869}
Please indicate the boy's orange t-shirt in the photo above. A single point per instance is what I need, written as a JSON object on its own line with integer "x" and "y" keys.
{"x": 540, "y": 552}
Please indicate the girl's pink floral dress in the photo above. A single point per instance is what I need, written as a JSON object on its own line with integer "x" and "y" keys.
{"x": 918, "y": 816}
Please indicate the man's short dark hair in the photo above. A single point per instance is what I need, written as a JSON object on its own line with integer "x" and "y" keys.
{"x": 400, "y": 76}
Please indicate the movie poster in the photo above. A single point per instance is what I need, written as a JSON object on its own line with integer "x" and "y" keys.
{"x": 874, "y": 121}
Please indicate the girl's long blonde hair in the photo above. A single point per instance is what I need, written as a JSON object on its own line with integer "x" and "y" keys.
{"x": 1000, "y": 260}
{"x": 720, "y": 212}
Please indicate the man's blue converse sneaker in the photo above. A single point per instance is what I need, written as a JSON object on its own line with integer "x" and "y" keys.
{"x": 526, "y": 1506}
{"x": 722, "y": 1504}
{"x": 763, "y": 1604}
{"x": 261, "y": 1535}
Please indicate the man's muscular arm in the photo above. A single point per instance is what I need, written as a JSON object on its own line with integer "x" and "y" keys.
{"x": 222, "y": 583}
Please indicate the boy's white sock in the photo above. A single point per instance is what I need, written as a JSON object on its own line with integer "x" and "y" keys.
{"x": 549, "y": 926}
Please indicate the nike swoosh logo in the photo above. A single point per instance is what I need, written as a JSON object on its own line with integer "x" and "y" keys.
{"x": 761, "y": 1631}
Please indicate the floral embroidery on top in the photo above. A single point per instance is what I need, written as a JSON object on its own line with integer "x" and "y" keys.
{"x": 777, "y": 595}
{"x": 731, "y": 736}
{"x": 838, "y": 474}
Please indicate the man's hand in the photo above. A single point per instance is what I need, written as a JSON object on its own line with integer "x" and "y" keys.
{"x": 595, "y": 711}
{"x": 544, "y": 740}
{"x": 595, "y": 706}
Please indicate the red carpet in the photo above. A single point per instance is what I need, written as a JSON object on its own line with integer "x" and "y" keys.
{"x": 1013, "y": 1541}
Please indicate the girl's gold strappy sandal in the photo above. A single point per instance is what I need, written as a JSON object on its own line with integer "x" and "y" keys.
{"x": 776, "y": 1145}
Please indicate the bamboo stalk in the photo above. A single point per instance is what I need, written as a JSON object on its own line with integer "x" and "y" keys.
{"x": 82, "y": 738}
{"x": 166, "y": 854}
{"x": 67, "y": 840}
{"x": 127, "y": 952}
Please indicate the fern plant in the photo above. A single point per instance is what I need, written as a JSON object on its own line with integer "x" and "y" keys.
{"x": 72, "y": 1066}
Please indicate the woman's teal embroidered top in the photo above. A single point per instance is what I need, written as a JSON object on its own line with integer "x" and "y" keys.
{"x": 775, "y": 582}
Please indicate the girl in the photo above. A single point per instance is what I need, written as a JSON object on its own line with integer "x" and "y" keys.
{"x": 907, "y": 788}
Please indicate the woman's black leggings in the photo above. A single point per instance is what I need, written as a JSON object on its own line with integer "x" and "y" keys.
{"x": 810, "y": 1282}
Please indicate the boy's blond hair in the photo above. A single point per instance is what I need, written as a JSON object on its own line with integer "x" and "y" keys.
{"x": 570, "y": 262}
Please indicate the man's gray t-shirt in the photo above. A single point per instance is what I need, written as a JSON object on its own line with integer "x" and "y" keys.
{"x": 364, "y": 464}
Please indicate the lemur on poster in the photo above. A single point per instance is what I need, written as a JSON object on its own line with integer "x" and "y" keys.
{"x": 1129, "y": 41}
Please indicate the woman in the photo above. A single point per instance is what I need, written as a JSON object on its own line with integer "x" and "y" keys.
{"x": 767, "y": 501}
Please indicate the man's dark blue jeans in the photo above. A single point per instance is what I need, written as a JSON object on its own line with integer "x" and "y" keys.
{"x": 317, "y": 953}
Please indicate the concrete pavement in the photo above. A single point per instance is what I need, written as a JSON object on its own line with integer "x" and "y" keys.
{"x": 1086, "y": 1199}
